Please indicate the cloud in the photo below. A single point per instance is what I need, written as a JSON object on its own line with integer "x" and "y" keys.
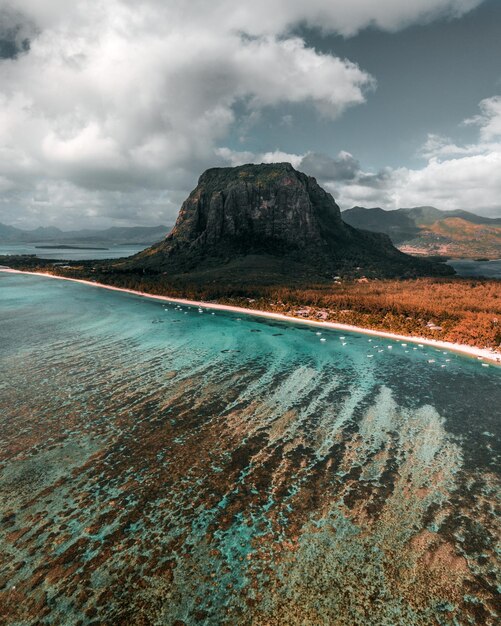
{"x": 347, "y": 17}
{"x": 15, "y": 33}
{"x": 343, "y": 168}
{"x": 458, "y": 176}
{"x": 469, "y": 182}
{"x": 121, "y": 96}
{"x": 489, "y": 119}
{"x": 344, "y": 177}
{"x": 454, "y": 176}
{"x": 126, "y": 102}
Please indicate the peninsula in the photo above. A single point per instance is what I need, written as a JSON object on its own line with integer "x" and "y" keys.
{"x": 268, "y": 237}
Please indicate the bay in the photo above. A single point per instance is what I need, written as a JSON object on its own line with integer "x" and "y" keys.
{"x": 162, "y": 464}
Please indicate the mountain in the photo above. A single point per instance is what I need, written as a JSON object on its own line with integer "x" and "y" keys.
{"x": 424, "y": 215}
{"x": 115, "y": 235}
{"x": 269, "y": 223}
{"x": 426, "y": 230}
{"x": 397, "y": 225}
{"x": 9, "y": 233}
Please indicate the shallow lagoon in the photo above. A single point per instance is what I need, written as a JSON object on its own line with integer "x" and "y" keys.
{"x": 158, "y": 463}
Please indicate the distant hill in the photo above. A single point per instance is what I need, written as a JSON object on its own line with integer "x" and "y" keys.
{"x": 115, "y": 235}
{"x": 269, "y": 223}
{"x": 396, "y": 224}
{"x": 426, "y": 230}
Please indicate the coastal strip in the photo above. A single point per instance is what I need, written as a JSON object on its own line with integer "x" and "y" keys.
{"x": 485, "y": 354}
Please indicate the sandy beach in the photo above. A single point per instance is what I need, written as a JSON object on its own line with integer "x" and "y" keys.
{"x": 485, "y": 354}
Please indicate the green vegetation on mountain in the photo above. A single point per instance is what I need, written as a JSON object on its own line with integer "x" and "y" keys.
{"x": 428, "y": 231}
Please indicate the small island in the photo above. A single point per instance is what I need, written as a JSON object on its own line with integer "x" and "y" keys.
{"x": 66, "y": 247}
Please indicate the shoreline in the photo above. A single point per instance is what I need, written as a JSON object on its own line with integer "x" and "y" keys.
{"x": 485, "y": 354}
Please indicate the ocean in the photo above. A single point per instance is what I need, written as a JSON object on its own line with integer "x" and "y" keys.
{"x": 165, "y": 464}
{"x": 471, "y": 268}
{"x": 113, "y": 251}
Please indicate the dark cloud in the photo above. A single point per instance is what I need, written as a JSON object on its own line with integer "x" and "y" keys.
{"x": 324, "y": 167}
{"x": 345, "y": 168}
{"x": 11, "y": 48}
{"x": 15, "y": 33}
{"x": 379, "y": 180}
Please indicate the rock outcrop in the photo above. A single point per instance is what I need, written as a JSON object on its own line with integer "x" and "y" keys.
{"x": 271, "y": 213}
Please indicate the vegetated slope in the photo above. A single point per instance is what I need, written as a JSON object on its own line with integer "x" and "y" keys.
{"x": 398, "y": 226}
{"x": 456, "y": 237}
{"x": 429, "y": 231}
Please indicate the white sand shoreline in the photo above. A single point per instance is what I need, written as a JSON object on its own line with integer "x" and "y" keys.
{"x": 486, "y": 354}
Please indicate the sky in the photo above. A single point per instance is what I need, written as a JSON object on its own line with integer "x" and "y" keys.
{"x": 111, "y": 109}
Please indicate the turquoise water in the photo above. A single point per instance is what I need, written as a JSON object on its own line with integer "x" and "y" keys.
{"x": 166, "y": 465}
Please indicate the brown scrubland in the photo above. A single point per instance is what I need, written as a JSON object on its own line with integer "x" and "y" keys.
{"x": 460, "y": 310}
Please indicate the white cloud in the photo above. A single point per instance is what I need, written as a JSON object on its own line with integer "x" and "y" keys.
{"x": 117, "y": 95}
{"x": 468, "y": 182}
{"x": 120, "y": 97}
{"x": 458, "y": 176}
{"x": 454, "y": 177}
{"x": 264, "y": 17}
{"x": 489, "y": 119}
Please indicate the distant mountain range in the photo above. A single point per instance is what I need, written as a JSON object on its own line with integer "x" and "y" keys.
{"x": 426, "y": 230}
{"x": 115, "y": 236}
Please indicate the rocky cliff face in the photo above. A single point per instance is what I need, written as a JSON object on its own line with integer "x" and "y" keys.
{"x": 256, "y": 206}
{"x": 276, "y": 212}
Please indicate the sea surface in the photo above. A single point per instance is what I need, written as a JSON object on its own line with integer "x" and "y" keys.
{"x": 469, "y": 267}
{"x": 64, "y": 254}
{"x": 161, "y": 464}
